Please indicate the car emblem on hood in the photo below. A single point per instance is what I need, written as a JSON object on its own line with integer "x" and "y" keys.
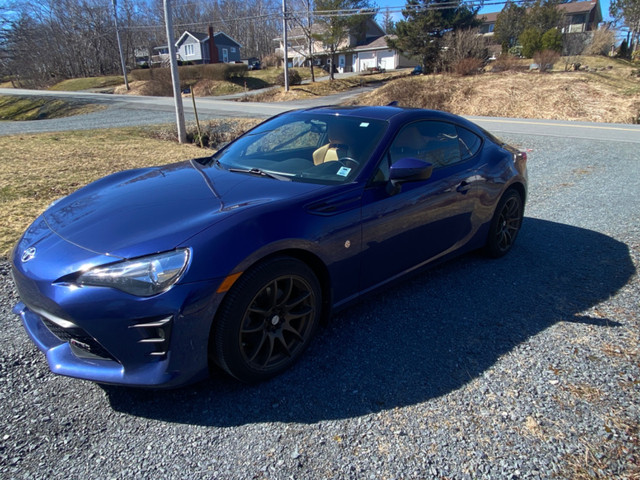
{"x": 28, "y": 254}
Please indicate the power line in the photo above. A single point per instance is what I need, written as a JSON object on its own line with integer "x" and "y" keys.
{"x": 277, "y": 14}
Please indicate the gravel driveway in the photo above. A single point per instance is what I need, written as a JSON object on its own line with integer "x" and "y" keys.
{"x": 524, "y": 367}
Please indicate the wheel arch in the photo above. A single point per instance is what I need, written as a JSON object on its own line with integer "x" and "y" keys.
{"x": 520, "y": 188}
{"x": 318, "y": 267}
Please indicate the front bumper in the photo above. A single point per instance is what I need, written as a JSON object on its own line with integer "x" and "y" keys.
{"x": 122, "y": 347}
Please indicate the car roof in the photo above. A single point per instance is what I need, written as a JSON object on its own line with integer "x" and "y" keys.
{"x": 392, "y": 113}
{"x": 383, "y": 112}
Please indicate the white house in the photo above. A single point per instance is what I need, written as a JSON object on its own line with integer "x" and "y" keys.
{"x": 366, "y": 48}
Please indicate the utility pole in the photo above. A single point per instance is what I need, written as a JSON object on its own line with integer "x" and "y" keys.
{"x": 286, "y": 51}
{"x": 177, "y": 98}
{"x": 309, "y": 25}
{"x": 124, "y": 67}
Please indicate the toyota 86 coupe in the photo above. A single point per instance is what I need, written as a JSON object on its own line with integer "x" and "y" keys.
{"x": 152, "y": 277}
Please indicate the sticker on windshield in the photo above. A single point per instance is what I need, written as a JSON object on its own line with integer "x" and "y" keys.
{"x": 344, "y": 171}
{"x": 364, "y": 124}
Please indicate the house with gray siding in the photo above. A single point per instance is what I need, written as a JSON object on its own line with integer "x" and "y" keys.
{"x": 196, "y": 47}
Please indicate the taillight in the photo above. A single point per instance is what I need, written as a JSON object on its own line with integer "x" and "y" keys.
{"x": 521, "y": 156}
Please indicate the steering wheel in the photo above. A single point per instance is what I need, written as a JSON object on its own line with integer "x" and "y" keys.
{"x": 349, "y": 162}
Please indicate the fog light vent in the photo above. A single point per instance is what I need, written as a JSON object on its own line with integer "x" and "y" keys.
{"x": 156, "y": 333}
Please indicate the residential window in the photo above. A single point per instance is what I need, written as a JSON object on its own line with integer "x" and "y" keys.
{"x": 233, "y": 49}
{"x": 188, "y": 49}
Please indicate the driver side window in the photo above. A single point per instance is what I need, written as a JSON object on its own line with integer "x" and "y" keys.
{"x": 430, "y": 141}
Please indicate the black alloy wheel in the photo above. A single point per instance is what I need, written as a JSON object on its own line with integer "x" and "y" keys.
{"x": 267, "y": 319}
{"x": 505, "y": 224}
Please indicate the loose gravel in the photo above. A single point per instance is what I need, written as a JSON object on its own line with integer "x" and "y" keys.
{"x": 523, "y": 367}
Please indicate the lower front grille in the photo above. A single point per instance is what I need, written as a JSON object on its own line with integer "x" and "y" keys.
{"x": 82, "y": 344}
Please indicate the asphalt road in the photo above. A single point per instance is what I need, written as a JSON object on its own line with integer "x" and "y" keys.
{"x": 132, "y": 110}
{"x": 523, "y": 367}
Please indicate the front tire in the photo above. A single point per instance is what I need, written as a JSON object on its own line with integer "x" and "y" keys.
{"x": 505, "y": 224}
{"x": 267, "y": 319}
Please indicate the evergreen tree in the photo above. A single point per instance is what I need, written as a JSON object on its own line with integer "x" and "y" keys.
{"x": 552, "y": 40}
{"x": 510, "y": 24}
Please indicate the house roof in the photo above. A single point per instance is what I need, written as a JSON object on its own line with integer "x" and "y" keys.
{"x": 375, "y": 44}
{"x": 578, "y": 7}
{"x": 488, "y": 17}
{"x": 568, "y": 8}
{"x": 203, "y": 37}
{"x": 222, "y": 34}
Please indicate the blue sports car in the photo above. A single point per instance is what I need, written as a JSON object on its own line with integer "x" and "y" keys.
{"x": 151, "y": 277}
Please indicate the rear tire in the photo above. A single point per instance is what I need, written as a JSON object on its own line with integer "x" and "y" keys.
{"x": 505, "y": 224}
{"x": 267, "y": 319}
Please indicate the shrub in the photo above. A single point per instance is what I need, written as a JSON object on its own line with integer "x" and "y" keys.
{"x": 546, "y": 59}
{"x": 460, "y": 45}
{"x": 601, "y": 42}
{"x": 531, "y": 41}
{"x": 516, "y": 51}
{"x": 468, "y": 66}
{"x": 190, "y": 74}
{"x": 294, "y": 78}
{"x": 551, "y": 40}
{"x": 270, "y": 61}
{"x": 623, "y": 51}
{"x": 505, "y": 62}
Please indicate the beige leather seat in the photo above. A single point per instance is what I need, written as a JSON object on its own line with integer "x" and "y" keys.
{"x": 326, "y": 153}
{"x": 337, "y": 147}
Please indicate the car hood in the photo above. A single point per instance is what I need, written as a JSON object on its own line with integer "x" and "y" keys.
{"x": 154, "y": 209}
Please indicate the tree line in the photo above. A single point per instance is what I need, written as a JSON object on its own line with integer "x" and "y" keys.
{"x": 50, "y": 40}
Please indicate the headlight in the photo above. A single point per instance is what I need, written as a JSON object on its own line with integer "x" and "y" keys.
{"x": 144, "y": 277}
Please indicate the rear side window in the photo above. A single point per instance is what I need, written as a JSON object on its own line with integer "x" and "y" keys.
{"x": 469, "y": 143}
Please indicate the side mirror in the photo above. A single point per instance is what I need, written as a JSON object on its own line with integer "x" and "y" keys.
{"x": 407, "y": 170}
{"x": 410, "y": 170}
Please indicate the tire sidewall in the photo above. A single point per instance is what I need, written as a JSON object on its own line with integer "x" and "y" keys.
{"x": 492, "y": 248}
{"x": 226, "y": 340}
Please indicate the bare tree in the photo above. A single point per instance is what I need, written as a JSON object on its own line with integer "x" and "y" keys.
{"x": 50, "y": 40}
{"x": 336, "y": 27}
{"x": 303, "y": 21}
{"x": 462, "y": 44}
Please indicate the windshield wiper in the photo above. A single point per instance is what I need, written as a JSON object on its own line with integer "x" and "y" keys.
{"x": 262, "y": 173}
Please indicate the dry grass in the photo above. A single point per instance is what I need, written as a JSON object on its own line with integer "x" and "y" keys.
{"x": 32, "y": 108}
{"x": 609, "y": 94}
{"x": 77, "y": 84}
{"x": 59, "y": 163}
{"x": 595, "y": 97}
{"x": 323, "y": 88}
{"x": 598, "y": 461}
{"x": 204, "y": 85}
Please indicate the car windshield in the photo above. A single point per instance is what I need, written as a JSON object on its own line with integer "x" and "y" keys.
{"x": 306, "y": 146}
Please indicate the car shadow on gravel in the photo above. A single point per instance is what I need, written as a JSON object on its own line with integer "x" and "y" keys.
{"x": 419, "y": 340}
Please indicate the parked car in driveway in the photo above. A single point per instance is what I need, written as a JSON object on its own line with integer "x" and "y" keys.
{"x": 151, "y": 277}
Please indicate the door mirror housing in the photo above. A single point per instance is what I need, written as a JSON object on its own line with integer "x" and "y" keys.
{"x": 410, "y": 170}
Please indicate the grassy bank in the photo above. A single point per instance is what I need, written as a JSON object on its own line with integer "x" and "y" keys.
{"x": 32, "y": 108}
